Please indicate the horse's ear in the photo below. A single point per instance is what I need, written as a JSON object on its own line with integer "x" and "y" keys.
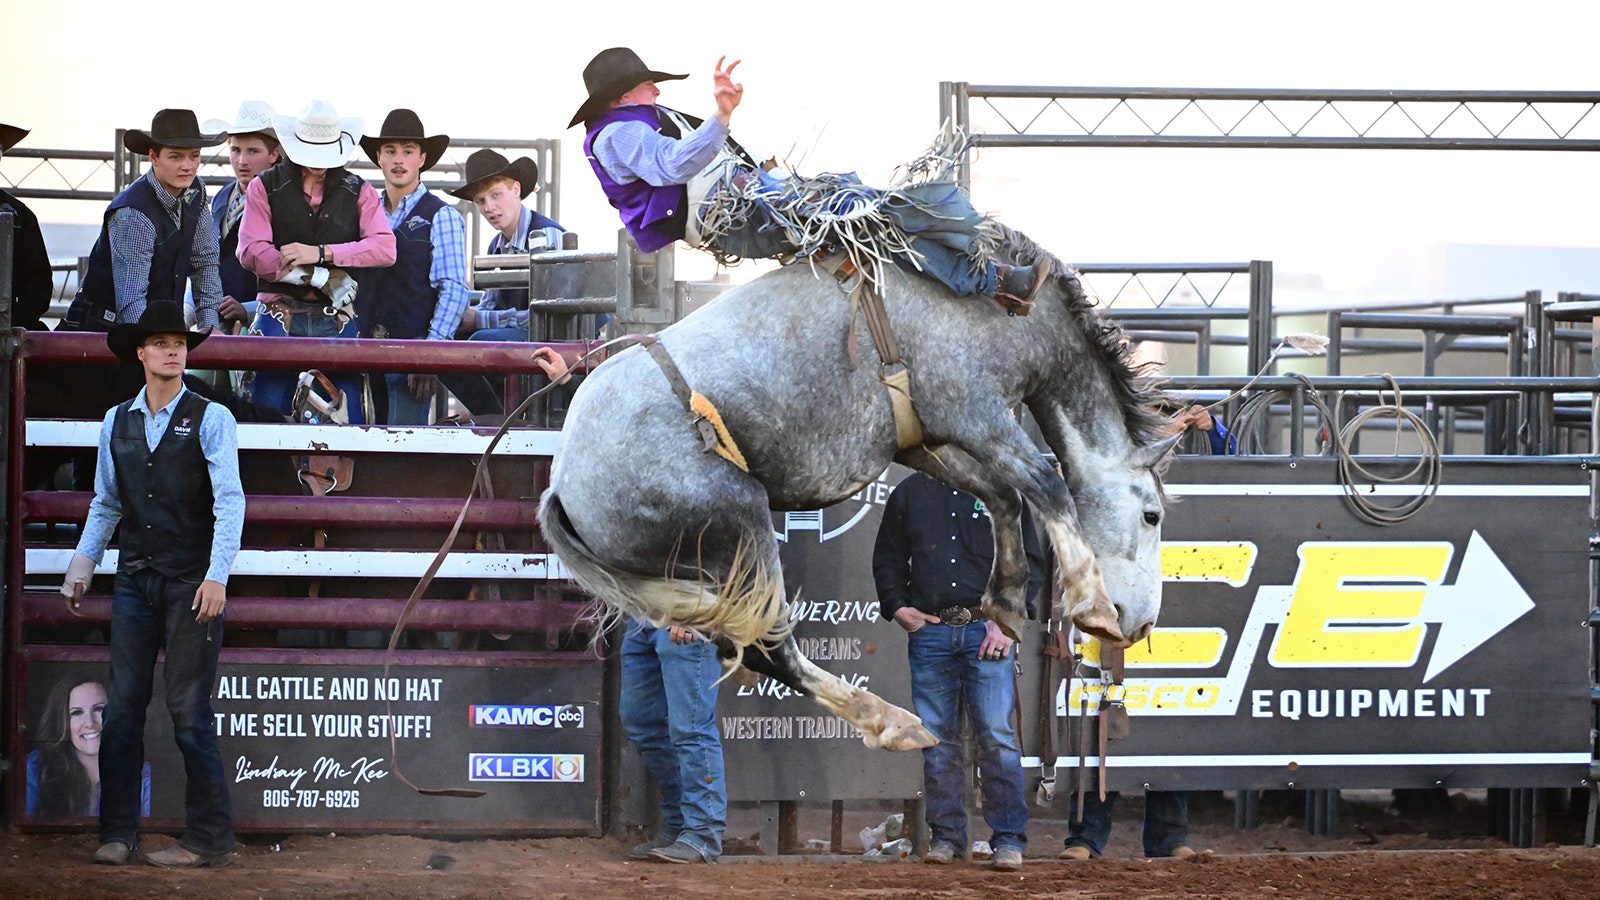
{"x": 1149, "y": 455}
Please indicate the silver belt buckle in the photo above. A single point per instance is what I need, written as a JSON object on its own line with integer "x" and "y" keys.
{"x": 956, "y": 616}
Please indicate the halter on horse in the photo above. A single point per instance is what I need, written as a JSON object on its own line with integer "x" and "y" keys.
{"x": 657, "y": 528}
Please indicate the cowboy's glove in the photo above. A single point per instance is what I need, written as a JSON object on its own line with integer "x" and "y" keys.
{"x": 341, "y": 287}
{"x": 79, "y": 571}
{"x": 314, "y": 276}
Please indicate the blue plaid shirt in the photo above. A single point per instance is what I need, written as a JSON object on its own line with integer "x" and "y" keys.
{"x": 133, "y": 242}
{"x": 448, "y": 273}
{"x": 219, "y": 440}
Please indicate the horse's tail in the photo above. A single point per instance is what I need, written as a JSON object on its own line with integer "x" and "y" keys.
{"x": 747, "y": 605}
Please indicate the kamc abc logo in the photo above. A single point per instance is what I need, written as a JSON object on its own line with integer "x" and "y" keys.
{"x": 569, "y": 716}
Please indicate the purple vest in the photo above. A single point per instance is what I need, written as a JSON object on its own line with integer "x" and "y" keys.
{"x": 654, "y": 216}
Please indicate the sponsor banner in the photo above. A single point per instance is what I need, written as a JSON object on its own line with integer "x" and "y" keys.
{"x": 778, "y": 745}
{"x": 310, "y": 745}
{"x": 1297, "y": 644}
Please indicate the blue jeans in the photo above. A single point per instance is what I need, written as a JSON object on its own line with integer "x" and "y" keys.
{"x": 1166, "y": 822}
{"x": 150, "y": 611}
{"x": 669, "y": 710}
{"x": 952, "y": 269}
{"x": 509, "y": 333}
{"x": 274, "y": 388}
{"x": 405, "y": 409}
{"x": 946, "y": 677}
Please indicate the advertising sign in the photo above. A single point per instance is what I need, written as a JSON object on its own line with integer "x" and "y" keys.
{"x": 1297, "y": 644}
{"x": 780, "y": 746}
{"x": 311, "y": 745}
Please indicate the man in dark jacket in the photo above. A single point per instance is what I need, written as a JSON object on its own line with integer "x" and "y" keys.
{"x": 31, "y": 279}
{"x": 931, "y": 566}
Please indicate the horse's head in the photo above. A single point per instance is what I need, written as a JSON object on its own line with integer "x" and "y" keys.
{"x": 1119, "y": 508}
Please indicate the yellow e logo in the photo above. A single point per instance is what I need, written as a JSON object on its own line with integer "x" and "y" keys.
{"x": 1358, "y": 604}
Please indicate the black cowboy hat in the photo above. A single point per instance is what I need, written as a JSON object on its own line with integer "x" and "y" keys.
{"x": 403, "y": 125}
{"x": 486, "y": 164}
{"x": 9, "y": 135}
{"x": 170, "y": 128}
{"x": 611, "y": 74}
{"x": 161, "y": 317}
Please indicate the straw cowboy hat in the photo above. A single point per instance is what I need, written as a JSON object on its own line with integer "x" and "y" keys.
{"x": 170, "y": 128}
{"x": 486, "y": 164}
{"x": 403, "y": 125}
{"x": 611, "y": 74}
{"x": 318, "y": 138}
{"x": 9, "y": 135}
{"x": 161, "y": 317}
{"x": 254, "y": 117}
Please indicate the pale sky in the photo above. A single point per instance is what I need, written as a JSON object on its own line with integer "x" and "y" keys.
{"x": 854, "y": 86}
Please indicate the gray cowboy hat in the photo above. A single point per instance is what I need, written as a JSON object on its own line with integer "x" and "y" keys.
{"x": 403, "y": 125}
{"x": 161, "y": 317}
{"x": 170, "y": 128}
{"x": 10, "y": 135}
{"x": 486, "y": 164}
{"x": 611, "y": 74}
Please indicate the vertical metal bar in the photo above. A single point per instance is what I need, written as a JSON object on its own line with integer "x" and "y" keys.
{"x": 1246, "y": 809}
{"x": 555, "y": 181}
{"x": 1297, "y": 422}
{"x": 1260, "y": 340}
{"x": 1335, "y": 342}
{"x": 963, "y": 120}
{"x": 836, "y": 828}
{"x": 11, "y": 548}
{"x": 1202, "y": 349}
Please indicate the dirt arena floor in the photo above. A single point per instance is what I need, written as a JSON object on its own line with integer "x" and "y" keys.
{"x": 1442, "y": 853}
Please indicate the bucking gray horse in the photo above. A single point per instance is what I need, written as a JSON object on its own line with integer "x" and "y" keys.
{"x": 656, "y": 527}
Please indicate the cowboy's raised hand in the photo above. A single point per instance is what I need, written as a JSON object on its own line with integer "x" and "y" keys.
{"x": 727, "y": 92}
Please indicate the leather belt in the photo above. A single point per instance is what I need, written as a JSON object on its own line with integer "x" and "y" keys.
{"x": 957, "y": 616}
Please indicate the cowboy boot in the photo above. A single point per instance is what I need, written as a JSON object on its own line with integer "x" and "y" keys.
{"x": 1018, "y": 285}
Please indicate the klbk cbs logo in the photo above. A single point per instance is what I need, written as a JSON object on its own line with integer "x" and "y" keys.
{"x": 553, "y": 767}
{"x": 1352, "y": 605}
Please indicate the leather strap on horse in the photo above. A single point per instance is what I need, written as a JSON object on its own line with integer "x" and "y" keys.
{"x": 865, "y": 299}
{"x": 1055, "y": 648}
{"x": 1113, "y": 715}
{"x": 713, "y": 432}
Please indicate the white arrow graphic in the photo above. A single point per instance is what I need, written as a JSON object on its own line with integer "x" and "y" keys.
{"x": 1484, "y": 600}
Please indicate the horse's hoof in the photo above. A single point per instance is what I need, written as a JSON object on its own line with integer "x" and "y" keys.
{"x": 899, "y": 730}
{"x": 1099, "y": 621}
{"x": 914, "y": 737}
{"x": 1010, "y": 623}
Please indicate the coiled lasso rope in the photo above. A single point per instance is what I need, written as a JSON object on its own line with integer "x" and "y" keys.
{"x": 1356, "y": 479}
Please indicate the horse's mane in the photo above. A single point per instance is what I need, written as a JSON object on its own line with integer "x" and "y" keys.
{"x": 1136, "y": 388}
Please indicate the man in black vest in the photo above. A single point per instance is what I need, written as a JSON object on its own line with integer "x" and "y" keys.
{"x": 31, "y": 279}
{"x": 156, "y": 235}
{"x": 252, "y": 149}
{"x": 425, "y": 292}
{"x": 308, "y": 223}
{"x": 169, "y": 473}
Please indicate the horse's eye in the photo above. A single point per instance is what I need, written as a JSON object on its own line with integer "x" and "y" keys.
{"x": 1152, "y": 518}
